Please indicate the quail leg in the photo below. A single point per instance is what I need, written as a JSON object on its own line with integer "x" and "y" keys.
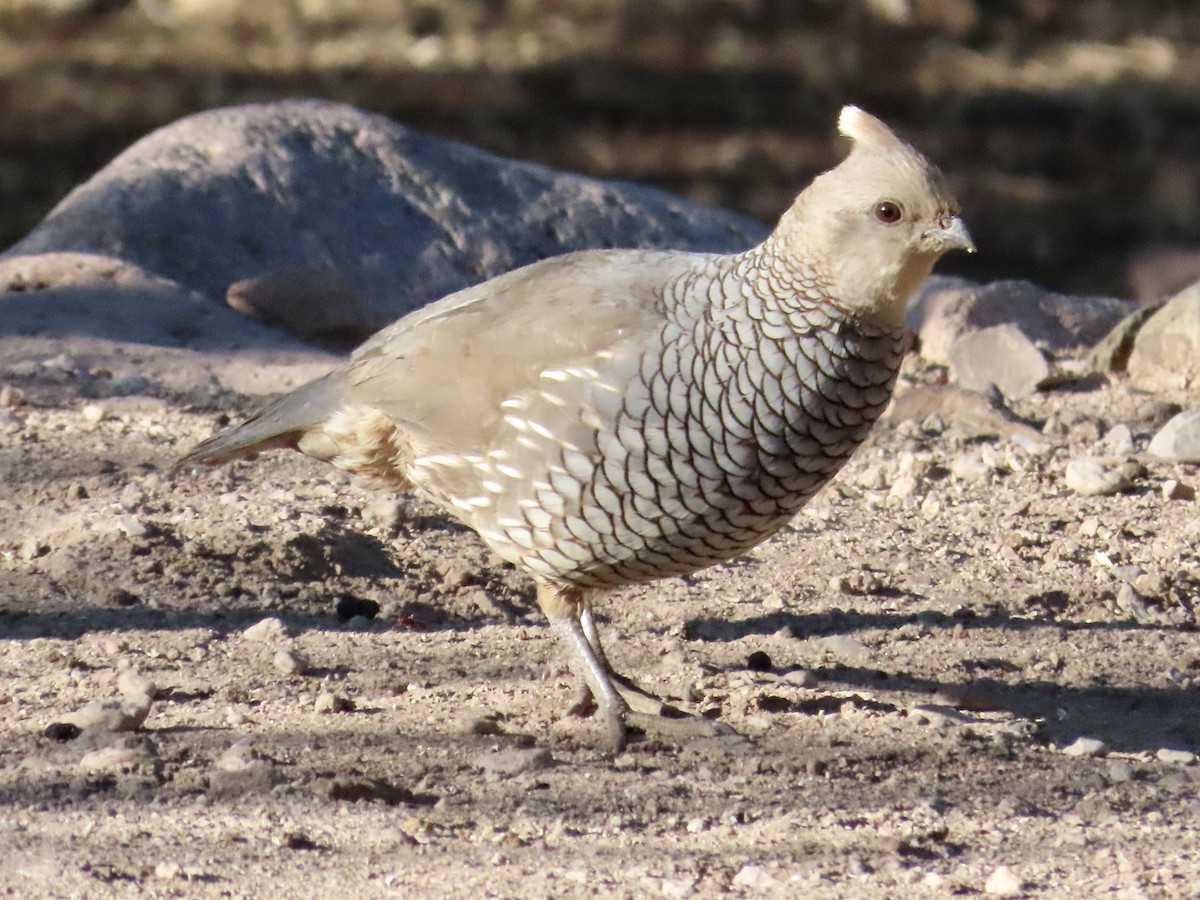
{"x": 565, "y": 608}
{"x": 638, "y": 698}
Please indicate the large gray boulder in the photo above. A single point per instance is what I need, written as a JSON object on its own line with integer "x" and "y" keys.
{"x": 400, "y": 218}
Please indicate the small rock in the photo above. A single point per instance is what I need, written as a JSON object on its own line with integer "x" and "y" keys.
{"x": 268, "y": 630}
{"x": 126, "y": 714}
{"x": 238, "y": 757}
{"x": 94, "y": 413}
{"x": 903, "y": 488}
{"x": 1119, "y": 770}
{"x": 758, "y": 661}
{"x": 329, "y": 702}
{"x": 241, "y": 770}
{"x": 1086, "y": 746}
{"x": 1090, "y": 477}
{"x": 507, "y": 763}
{"x": 1177, "y": 490}
{"x": 871, "y": 479}
{"x": 289, "y": 662}
{"x": 61, "y": 731}
{"x": 1179, "y": 438}
{"x": 1111, "y": 354}
{"x": 1129, "y": 600}
{"x": 1166, "y": 350}
{"x": 1175, "y": 757}
{"x": 845, "y": 648}
{"x": 1119, "y": 441}
{"x": 133, "y": 684}
{"x": 946, "y": 310}
{"x": 970, "y": 467}
{"x": 1003, "y": 883}
{"x": 803, "y": 678}
{"x": 756, "y": 878}
{"x": 1001, "y": 356}
{"x": 11, "y": 397}
{"x": 130, "y": 526}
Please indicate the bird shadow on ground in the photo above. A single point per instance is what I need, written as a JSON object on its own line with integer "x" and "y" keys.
{"x": 1128, "y": 717}
{"x": 829, "y": 622}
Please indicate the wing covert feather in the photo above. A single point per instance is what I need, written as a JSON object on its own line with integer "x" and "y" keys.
{"x": 444, "y": 370}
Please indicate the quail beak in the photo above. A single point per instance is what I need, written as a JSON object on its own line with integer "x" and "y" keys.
{"x": 952, "y": 234}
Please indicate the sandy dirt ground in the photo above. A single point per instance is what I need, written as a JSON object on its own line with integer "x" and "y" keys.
{"x": 910, "y": 667}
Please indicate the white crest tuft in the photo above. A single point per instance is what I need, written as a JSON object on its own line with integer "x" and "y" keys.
{"x": 863, "y": 128}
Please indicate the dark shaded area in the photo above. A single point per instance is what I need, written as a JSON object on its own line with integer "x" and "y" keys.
{"x": 1072, "y": 130}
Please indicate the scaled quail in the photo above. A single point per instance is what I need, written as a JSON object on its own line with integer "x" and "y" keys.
{"x": 610, "y": 417}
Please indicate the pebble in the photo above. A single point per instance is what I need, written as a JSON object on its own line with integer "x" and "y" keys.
{"x": 94, "y": 413}
{"x": 133, "y": 684}
{"x": 802, "y": 678}
{"x": 1090, "y": 477}
{"x": 1179, "y": 438}
{"x": 1119, "y": 441}
{"x": 756, "y": 878}
{"x": 268, "y": 630}
{"x": 289, "y": 662}
{"x": 1086, "y": 746}
{"x": 1119, "y": 771}
{"x": 1129, "y": 600}
{"x": 1003, "y": 883}
{"x": 130, "y": 526}
{"x": 845, "y": 648}
{"x": 758, "y": 661}
{"x": 125, "y": 714}
{"x": 970, "y": 467}
{"x": 507, "y": 763}
{"x": 61, "y": 731}
{"x": 329, "y": 702}
{"x": 1175, "y": 757}
{"x": 904, "y": 488}
{"x": 11, "y": 397}
{"x": 238, "y": 757}
{"x": 871, "y": 479}
{"x": 240, "y": 770}
{"x": 1173, "y": 489}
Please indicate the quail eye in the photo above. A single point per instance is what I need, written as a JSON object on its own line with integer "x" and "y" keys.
{"x": 888, "y": 212}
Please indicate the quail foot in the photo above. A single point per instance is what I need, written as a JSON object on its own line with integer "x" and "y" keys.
{"x": 609, "y": 417}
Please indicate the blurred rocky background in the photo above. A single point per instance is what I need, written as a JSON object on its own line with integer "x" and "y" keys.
{"x": 1071, "y": 128}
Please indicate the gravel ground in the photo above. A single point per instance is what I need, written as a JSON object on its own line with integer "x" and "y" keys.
{"x": 952, "y": 675}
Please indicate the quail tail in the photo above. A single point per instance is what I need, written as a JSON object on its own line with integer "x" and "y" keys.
{"x": 280, "y": 425}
